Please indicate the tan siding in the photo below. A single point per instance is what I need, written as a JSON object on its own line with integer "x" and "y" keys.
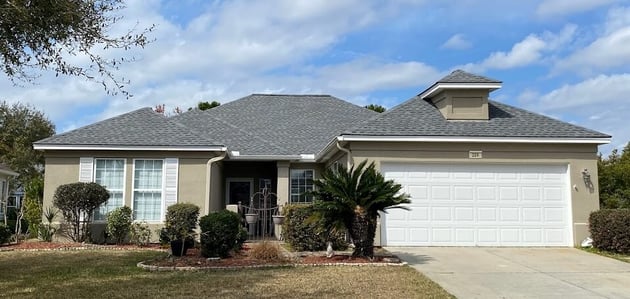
{"x": 576, "y": 156}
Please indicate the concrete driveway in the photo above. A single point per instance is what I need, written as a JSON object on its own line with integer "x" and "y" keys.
{"x": 520, "y": 272}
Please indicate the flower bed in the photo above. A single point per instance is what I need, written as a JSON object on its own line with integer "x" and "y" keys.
{"x": 44, "y": 246}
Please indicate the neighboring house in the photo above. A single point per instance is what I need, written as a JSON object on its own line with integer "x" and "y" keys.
{"x": 479, "y": 172}
{"x": 5, "y": 174}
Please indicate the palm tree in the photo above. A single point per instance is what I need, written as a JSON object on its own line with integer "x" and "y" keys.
{"x": 352, "y": 198}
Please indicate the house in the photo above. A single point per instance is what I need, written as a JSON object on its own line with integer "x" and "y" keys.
{"x": 5, "y": 174}
{"x": 479, "y": 172}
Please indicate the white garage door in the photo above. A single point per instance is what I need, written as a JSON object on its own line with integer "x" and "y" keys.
{"x": 479, "y": 205}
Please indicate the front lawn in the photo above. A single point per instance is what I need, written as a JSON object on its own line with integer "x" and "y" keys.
{"x": 618, "y": 256}
{"x": 113, "y": 274}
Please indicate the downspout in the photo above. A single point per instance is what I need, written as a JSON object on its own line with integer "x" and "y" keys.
{"x": 209, "y": 180}
{"x": 348, "y": 152}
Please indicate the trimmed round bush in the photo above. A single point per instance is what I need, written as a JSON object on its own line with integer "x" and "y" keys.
{"x": 180, "y": 221}
{"x": 221, "y": 232}
{"x": 610, "y": 230}
{"x": 5, "y": 233}
{"x": 119, "y": 223}
{"x": 304, "y": 232}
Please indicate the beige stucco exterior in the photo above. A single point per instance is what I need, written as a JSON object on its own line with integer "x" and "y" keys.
{"x": 576, "y": 156}
{"x": 462, "y": 104}
{"x": 62, "y": 167}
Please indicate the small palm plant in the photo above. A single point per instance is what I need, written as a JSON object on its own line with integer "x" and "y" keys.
{"x": 352, "y": 198}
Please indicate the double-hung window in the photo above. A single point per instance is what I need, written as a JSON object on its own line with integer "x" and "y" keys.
{"x": 147, "y": 190}
{"x": 301, "y": 182}
{"x": 110, "y": 173}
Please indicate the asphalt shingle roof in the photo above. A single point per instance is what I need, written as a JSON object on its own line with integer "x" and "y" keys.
{"x": 277, "y": 124}
{"x": 142, "y": 127}
{"x": 459, "y": 76}
{"x": 418, "y": 117}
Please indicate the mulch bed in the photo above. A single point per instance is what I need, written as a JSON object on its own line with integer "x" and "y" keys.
{"x": 194, "y": 259}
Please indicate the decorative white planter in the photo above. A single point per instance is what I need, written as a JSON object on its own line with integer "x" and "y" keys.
{"x": 251, "y": 218}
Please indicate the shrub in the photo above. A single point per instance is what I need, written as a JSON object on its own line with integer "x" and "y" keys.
{"x": 119, "y": 223}
{"x": 221, "y": 232}
{"x": 266, "y": 251}
{"x": 5, "y": 233}
{"x": 180, "y": 221}
{"x": 304, "y": 233}
{"x": 610, "y": 230}
{"x": 33, "y": 215}
{"x": 140, "y": 234}
{"x": 47, "y": 230}
{"x": 77, "y": 202}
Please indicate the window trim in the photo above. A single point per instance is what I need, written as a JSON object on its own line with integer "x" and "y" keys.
{"x": 133, "y": 190}
{"x": 290, "y": 185}
{"x": 123, "y": 186}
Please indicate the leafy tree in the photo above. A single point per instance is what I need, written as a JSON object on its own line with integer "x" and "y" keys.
{"x": 206, "y": 105}
{"x": 352, "y": 199}
{"x": 44, "y": 35}
{"x": 375, "y": 107}
{"x": 614, "y": 179}
{"x": 20, "y": 126}
{"x": 77, "y": 202}
{"x": 33, "y": 203}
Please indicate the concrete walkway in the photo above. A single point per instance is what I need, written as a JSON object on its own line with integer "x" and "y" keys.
{"x": 520, "y": 272}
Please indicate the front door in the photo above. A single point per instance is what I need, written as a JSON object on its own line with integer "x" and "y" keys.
{"x": 238, "y": 190}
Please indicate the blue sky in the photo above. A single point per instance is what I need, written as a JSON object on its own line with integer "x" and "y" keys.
{"x": 569, "y": 59}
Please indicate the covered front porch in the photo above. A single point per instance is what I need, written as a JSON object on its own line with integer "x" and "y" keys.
{"x": 261, "y": 187}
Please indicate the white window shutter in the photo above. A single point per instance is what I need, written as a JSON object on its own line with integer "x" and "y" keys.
{"x": 170, "y": 181}
{"x": 86, "y": 169}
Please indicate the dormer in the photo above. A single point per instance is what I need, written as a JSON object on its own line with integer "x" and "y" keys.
{"x": 461, "y": 95}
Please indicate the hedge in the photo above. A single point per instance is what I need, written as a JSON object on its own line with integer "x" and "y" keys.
{"x": 610, "y": 230}
{"x": 221, "y": 233}
{"x": 304, "y": 233}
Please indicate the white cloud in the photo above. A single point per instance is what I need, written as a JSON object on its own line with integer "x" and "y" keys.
{"x": 610, "y": 50}
{"x": 457, "y": 42}
{"x": 599, "y": 103}
{"x": 600, "y": 90}
{"x": 528, "y": 51}
{"x": 554, "y": 8}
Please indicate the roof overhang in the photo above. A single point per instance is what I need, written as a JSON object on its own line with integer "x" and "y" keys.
{"x": 8, "y": 172}
{"x": 130, "y": 148}
{"x": 440, "y": 86}
{"x": 236, "y": 155}
{"x": 472, "y": 139}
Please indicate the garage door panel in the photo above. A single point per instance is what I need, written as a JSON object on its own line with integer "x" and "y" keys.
{"x": 480, "y": 205}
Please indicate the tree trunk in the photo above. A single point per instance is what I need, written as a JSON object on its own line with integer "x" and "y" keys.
{"x": 362, "y": 232}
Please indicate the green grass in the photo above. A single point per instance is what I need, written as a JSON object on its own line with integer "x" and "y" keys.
{"x": 113, "y": 274}
{"x": 618, "y": 256}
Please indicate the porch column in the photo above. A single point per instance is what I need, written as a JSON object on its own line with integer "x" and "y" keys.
{"x": 282, "y": 189}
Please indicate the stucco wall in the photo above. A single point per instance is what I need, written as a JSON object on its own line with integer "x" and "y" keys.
{"x": 576, "y": 156}
{"x": 63, "y": 168}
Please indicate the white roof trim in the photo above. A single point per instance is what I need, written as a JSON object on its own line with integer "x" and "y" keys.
{"x": 472, "y": 139}
{"x": 129, "y": 148}
{"x": 439, "y": 86}
{"x": 300, "y": 158}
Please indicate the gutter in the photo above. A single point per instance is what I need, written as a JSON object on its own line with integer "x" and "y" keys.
{"x": 209, "y": 180}
{"x": 350, "y": 161}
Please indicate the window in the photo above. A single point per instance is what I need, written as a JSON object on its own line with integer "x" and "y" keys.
{"x": 147, "y": 190}
{"x": 301, "y": 181}
{"x": 110, "y": 173}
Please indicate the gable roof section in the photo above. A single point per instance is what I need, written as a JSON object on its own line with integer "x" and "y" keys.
{"x": 271, "y": 124}
{"x": 142, "y": 129}
{"x": 418, "y": 117}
